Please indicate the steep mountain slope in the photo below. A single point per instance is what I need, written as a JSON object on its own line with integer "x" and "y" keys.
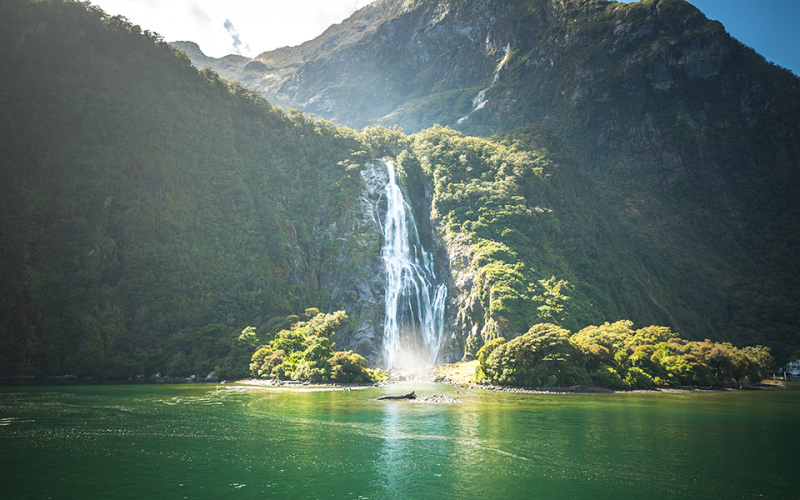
{"x": 528, "y": 238}
{"x": 150, "y": 212}
{"x": 692, "y": 136}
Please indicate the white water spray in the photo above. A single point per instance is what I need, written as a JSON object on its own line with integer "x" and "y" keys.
{"x": 414, "y": 324}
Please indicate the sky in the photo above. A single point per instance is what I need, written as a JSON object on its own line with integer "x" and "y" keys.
{"x": 250, "y": 27}
{"x": 245, "y": 27}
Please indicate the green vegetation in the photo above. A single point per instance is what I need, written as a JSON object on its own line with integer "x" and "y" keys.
{"x": 543, "y": 245}
{"x": 687, "y": 137}
{"x": 614, "y": 355}
{"x": 150, "y": 212}
{"x": 649, "y": 96}
{"x": 306, "y": 352}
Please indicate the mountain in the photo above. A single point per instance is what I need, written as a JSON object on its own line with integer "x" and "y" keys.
{"x": 151, "y": 211}
{"x": 690, "y": 136}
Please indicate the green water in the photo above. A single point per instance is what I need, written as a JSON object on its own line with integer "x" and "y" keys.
{"x": 206, "y": 441}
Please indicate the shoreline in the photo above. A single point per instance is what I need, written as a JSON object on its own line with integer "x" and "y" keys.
{"x": 763, "y": 385}
{"x": 299, "y": 384}
{"x": 426, "y": 376}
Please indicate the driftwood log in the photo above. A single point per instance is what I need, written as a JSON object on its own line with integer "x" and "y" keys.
{"x": 410, "y": 395}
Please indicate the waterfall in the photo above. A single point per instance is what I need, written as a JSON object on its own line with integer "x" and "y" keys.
{"x": 413, "y": 327}
{"x": 480, "y": 100}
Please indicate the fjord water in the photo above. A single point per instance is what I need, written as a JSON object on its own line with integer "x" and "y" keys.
{"x": 204, "y": 441}
{"x": 414, "y": 315}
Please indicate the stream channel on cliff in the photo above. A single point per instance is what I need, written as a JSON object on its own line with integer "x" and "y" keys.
{"x": 413, "y": 326}
{"x": 236, "y": 441}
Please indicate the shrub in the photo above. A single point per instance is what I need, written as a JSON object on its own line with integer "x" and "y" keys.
{"x": 650, "y": 335}
{"x": 319, "y": 351}
{"x": 270, "y": 363}
{"x": 309, "y": 371}
{"x": 289, "y": 340}
{"x": 612, "y": 336}
{"x": 488, "y": 348}
{"x": 639, "y": 379}
{"x": 685, "y": 370}
{"x": 644, "y": 358}
{"x": 284, "y": 370}
{"x": 348, "y": 367}
{"x": 542, "y": 356}
{"x": 595, "y": 356}
{"x": 614, "y": 355}
{"x": 606, "y": 376}
{"x": 305, "y": 352}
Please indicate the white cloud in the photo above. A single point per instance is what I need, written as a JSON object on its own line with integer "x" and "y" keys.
{"x": 223, "y": 27}
{"x": 199, "y": 15}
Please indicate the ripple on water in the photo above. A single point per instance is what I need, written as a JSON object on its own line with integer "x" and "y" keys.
{"x": 13, "y": 420}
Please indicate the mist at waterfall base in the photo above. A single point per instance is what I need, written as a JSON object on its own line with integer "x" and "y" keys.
{"x": 413, "y": 326}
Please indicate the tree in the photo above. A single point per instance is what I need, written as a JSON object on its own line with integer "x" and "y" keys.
{"x": 542, "y": 356}
{"x": 349, "y": 367}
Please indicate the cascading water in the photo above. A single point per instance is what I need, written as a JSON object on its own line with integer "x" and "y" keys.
{"x": 480, "y": 100}
{"x": 413, "y": 327}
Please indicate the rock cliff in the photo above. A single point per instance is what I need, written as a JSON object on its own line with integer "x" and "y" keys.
{"x": 353, "y": 280}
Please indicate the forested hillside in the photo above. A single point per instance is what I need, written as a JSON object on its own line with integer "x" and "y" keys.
{"x": 688, "y": 135}
{"x": 151, "y": 212}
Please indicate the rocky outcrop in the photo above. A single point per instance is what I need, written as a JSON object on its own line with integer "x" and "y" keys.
{"x": 465, "y": 314}
{"x": 470, "y": 321}
{"x": 353, "y": 280}
{"x": 375, "y": 63}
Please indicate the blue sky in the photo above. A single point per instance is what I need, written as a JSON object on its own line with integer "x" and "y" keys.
{"x": 249, "y": 27}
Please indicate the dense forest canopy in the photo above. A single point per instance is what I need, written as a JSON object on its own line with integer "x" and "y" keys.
{"x": 151, "y": 213}
{"x": 146, "y": 205}
{"x": 614, "y": 355}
